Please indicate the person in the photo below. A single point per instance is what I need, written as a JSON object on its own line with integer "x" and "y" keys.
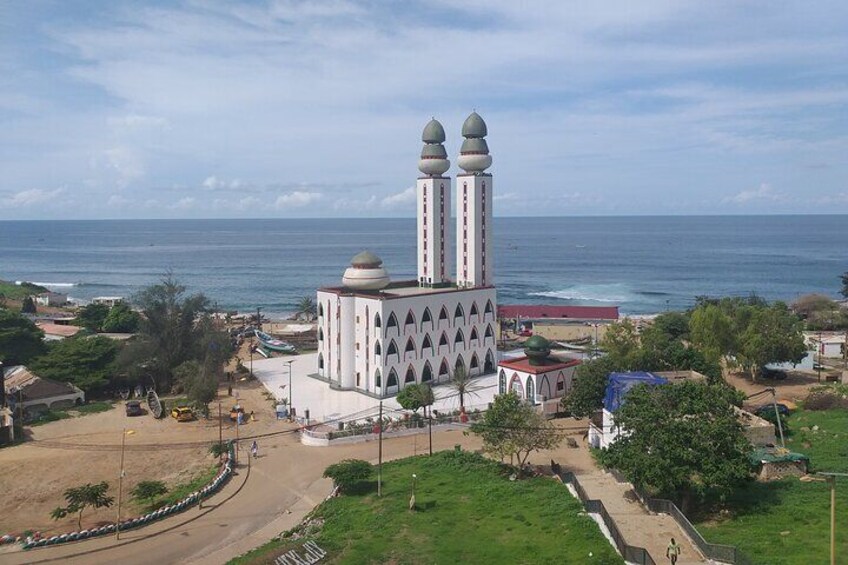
{"x": 254, "y": 449}
{"x": 672, "y": 552}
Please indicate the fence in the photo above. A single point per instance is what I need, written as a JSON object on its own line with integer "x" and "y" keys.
{"x": 631, "y": 554}
{"x": 717, "y": 552}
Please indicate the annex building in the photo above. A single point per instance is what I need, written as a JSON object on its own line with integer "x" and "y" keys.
{"x": 376, "y": 335}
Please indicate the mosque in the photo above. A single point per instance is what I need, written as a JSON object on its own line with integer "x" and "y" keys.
{"x": 376, "y": 335}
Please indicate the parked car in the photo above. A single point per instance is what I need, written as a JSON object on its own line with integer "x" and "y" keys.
{"x": 182, "y": 414}
{"x": 774, "y": 374}
{"x": 768, "y": 410}
{"x": 134, "y": 408}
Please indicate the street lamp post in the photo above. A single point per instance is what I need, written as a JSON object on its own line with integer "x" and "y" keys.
{"x": 830, "y": 479}
{"x": 124, "y": 435}
{"x": 291, "y": 405}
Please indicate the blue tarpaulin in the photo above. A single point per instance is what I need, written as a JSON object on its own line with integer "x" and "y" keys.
{"x": 620, "y": 384}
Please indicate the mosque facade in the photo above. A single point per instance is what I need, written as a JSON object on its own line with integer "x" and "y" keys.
{"x": 376, "y": 335}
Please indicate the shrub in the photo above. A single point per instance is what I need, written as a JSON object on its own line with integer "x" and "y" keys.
{"x": 217, "y": 449}
{"x": 827, "y": 397}
{"x": 148, "y": 489}
{"x": 348, "y": 474}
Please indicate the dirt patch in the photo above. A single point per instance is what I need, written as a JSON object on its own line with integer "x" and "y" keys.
{"x": 794, "y": 387}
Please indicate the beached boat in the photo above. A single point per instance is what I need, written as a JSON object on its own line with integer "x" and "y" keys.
{"x": 274, "y": 344}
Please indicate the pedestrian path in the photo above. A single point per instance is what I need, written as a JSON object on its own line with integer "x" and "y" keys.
{"x": 638, "y": 526}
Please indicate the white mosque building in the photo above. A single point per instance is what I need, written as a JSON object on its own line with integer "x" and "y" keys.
{"x": 376, "y": 335}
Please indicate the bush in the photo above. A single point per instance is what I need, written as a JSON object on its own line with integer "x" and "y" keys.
{"x": 217, "y": 449}
{"x": 348, "y": 474}
{"x": 827, "y": 397}
{"x": 148, "y": 489}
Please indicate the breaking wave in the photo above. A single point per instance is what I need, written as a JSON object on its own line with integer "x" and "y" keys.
{"x": 48, "y": 284}
{"x": 591, "y": 293}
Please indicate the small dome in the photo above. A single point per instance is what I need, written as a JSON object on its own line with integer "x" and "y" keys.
{"x": 434, "y": 151}
{"x": 474, "y": 126}
{"x": 365, "y": 260}
{"x": 537, "y": 342}
{"x": 433, "y": 132}
{"x": 537, "y": 350}
{"x": 475, "y": 145}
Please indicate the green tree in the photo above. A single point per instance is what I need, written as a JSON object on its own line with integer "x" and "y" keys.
{"x": 621, "y": 342}
{"x": 80, "y": 498}
{"x": 121, "y": 319}
{"x": 844, "y": 278}
{"x": 200, "y": 384}
{"x": 348, "y": 474}
{"x": 774, "y": 335}
{"x": 20, "y": 339}
{"x": 415, "y": 396}
{"x": 590, "y": 383}
{"x": 682, "y": 440}
{"x": 3, "y": 300}
{"x": 514, "y": 427}
{"x": 146, "y": 490}
{"x": 28, "y": 305}
{"x": 92, "y": 316}
{"x": 306, "y": 308}
{"x": 712, "y": 331}
{"x": 675, "y": 325}
{"x": 461, "y": 383}
{"x": 87, "y": 362}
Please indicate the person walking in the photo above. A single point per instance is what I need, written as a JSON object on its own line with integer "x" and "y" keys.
{"x": 254, "y": 449}
{"x": 672, "y": 552}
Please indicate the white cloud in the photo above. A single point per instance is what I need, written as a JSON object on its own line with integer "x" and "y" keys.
{"x": 116, "y": 201}
{"x": 763, "y": 193}
{"x": 297, "y": 199}
{"x": 185, "y": 203}
{"x": 32, "y": 196}
{"x": 400, "y": 200}
{"x": 214, "y": 183}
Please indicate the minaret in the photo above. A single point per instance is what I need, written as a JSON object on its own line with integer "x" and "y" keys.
{"x": 433, "y": 208}
{"x": 474, "y": 207}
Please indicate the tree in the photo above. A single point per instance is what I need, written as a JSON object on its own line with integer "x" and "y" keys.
{"x": 513, "y": 427}
{"x": 306, "y": 308}
{"x": 621, "y": 342}
{"x": 844, "y": 278}
{"x": 590, "y": 383}
{"x": 773, "y": 335}
{"x": 146, "y": 490}
{"x": 200, "y": 385}
{"x": 712, "y": 331}
{"x": 462, "y": 385}
{"x": 92, "y": 316}
{"x": 80, "y": 498}
{"x": 87, "y": 362}
{"x": 681, "y": 440}
{"x": 415, "y": 396}
{"x": 28, "y": 305}
{"x": 121, "y": 319}
{"x": 673, "y": 324}
{"x": 348, "y": 474}
{"x": 3, "y": 300}
{"x": 20, "y": 339}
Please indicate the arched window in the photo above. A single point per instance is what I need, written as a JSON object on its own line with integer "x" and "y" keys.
{"x": 502, "y": 382}
{"x": 410, "y": 346}
{"x": 426, "y": 344}
{"x": 489, "y": 308}
{"x": 410, "y": 318}
{"x": 489, "y": 364}
{"x": 320, "y": 360}
{"x": 320, "y": 309}
{"x": 459, "y": 312}
{"x": 443, "y": 368}
{"x": 515, "y": 385}
{"x": 531, "y": 390}
{"x": 392, "y": 349}
{"x": 377, "y": 321}
{"x": 426, "y": 317}
{"x": 443, "y": 340}
{"x": 474, "y": 362}
{"x": 473, "y": 311}
{"x": 410, "y": 376}
{"x": 489, "y": 332}
{"x": 392, "y": 380}
{"x": 474, "y": 336}
{"x": 392, "y": 323}
{"x": 378, "y": 382}
{"x": 377, "y": 349}
{"x": 427, "y": 373}
{"x": 320, "y": 334}
{"x": 443, "y": 314}
{"x": 460, "y": 338}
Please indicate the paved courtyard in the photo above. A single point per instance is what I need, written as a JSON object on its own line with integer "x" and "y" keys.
{"x": 325, "y": 403}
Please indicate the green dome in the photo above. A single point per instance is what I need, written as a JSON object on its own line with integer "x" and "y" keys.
{"x": 474, "y": 145}
{"x": 365, "y": 259}
{"x": 537, "y": 342}
{"x": 537, "y": 349}
{"x": 434, "y": 151}
{"x": 433, "y": 132}
{"x": 474, "y": 126}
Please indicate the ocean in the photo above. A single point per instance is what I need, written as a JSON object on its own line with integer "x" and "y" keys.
{"x": 643, "y": 264}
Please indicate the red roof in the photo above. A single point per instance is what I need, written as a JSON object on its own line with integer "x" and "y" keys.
{"x": 523, "y": 364}
{"x": 576, "y": 312}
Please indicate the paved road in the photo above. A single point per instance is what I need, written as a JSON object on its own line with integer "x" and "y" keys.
{"x": 270, "y": 496}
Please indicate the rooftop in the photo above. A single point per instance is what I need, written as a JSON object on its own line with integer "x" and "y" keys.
{"x": 60, "y": 330}
{"x": 550, "y": 364}
{"x": 397, "y": 289}
{"x": 22, "y": 383}
{"x": 531, "y": 311}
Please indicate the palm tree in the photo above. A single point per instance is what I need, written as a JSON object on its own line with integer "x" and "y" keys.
{"x": 461, "y": 383}
{"x": 306, "y": 308}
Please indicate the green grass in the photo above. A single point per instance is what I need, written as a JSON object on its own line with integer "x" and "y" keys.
{"x": 18, "y": 292}
{"x": 65, "y": 413}
{"x": 180, "y": 490}
{"x": 468, "y": 512}
{"x": 787, "y": 521}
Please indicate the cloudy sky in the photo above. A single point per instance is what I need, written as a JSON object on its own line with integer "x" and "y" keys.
{"x": 287, "y": 108}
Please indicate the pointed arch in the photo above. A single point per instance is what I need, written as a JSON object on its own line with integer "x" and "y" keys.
{"x": 459, "y": 312}
{"x": 410, "y": 375}
{"x": 410, "y": 318}
{"x": 320, "y": 361}
{"x": 474, "y": 336}
{"x": 320, "y": 334}
{"x": 392, "y": 323}
{"x": 459, "y": 338}
{"x": 502, "y": 382}
{"x": 443, "y": 314}
{"x": 377, "y": 320}
{"x": 444, "y": 369}
{"x": 377, "y": 349}
{"x": 320, "y": 309}
{"x": 475, "y": 363}
{"x": 515, "y": 385}
{"x": 489, "y": 363}
{"x": 426, "y": 344}
{"x": 545, "y": 388}
{"x": 427, "y": 373}
{"x": 474, "y": 311}
{"x": 490, "y": 309}
{"x": 560, "y": 384}
{"x": 531, "y": 390}
{"x": 392, "y": 380}
{"x": 443, "y": 339}
{"x": 410, "y": 345}
{"x": 427, "y": 316}
{"x": 392, "y": 349}
{"x": 460, "y": 364}
{"x": 378, "y": 381}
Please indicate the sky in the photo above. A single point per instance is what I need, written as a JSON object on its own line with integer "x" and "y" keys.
{"x": 203, "y": 109}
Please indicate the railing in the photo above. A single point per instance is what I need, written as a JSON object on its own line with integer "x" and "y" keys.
{"x": 631, "y": 554}
{"x": 717, "y": 552}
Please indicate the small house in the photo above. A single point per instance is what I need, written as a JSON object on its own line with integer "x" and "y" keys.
{"x": 50, "y": 298}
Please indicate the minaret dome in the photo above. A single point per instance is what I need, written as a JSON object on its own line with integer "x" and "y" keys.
{"x": 474, "y": 155}
{"x": 434, "y": 159}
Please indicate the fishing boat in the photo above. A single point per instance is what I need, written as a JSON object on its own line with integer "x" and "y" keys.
{"x": 274, "y": 344}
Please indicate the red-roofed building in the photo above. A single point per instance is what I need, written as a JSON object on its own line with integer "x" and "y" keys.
{"x": 540, "y": 312}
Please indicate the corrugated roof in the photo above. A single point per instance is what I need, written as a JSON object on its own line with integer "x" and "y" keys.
{"x": 532, "y": 311}
{"x": 33, "y": 387}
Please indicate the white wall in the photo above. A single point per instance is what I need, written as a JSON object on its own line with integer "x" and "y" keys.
{"x": 434, "y": 221}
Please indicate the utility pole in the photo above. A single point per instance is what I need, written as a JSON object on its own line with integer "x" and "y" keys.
{"x": 235, "y": 452}
{"x": 291, "y": 404}
{"x": 430, "y": 426}
{"x": 380, "y": 455}
{"x": 120, "y": 485}
{"x": 220, "y": 432}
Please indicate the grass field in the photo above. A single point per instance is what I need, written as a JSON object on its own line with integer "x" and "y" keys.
{"x": 13, "y": 291}
{"x": 179, "y": 491}
{"x": 468, "y": 512}
{"x": 787, "y": 521}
